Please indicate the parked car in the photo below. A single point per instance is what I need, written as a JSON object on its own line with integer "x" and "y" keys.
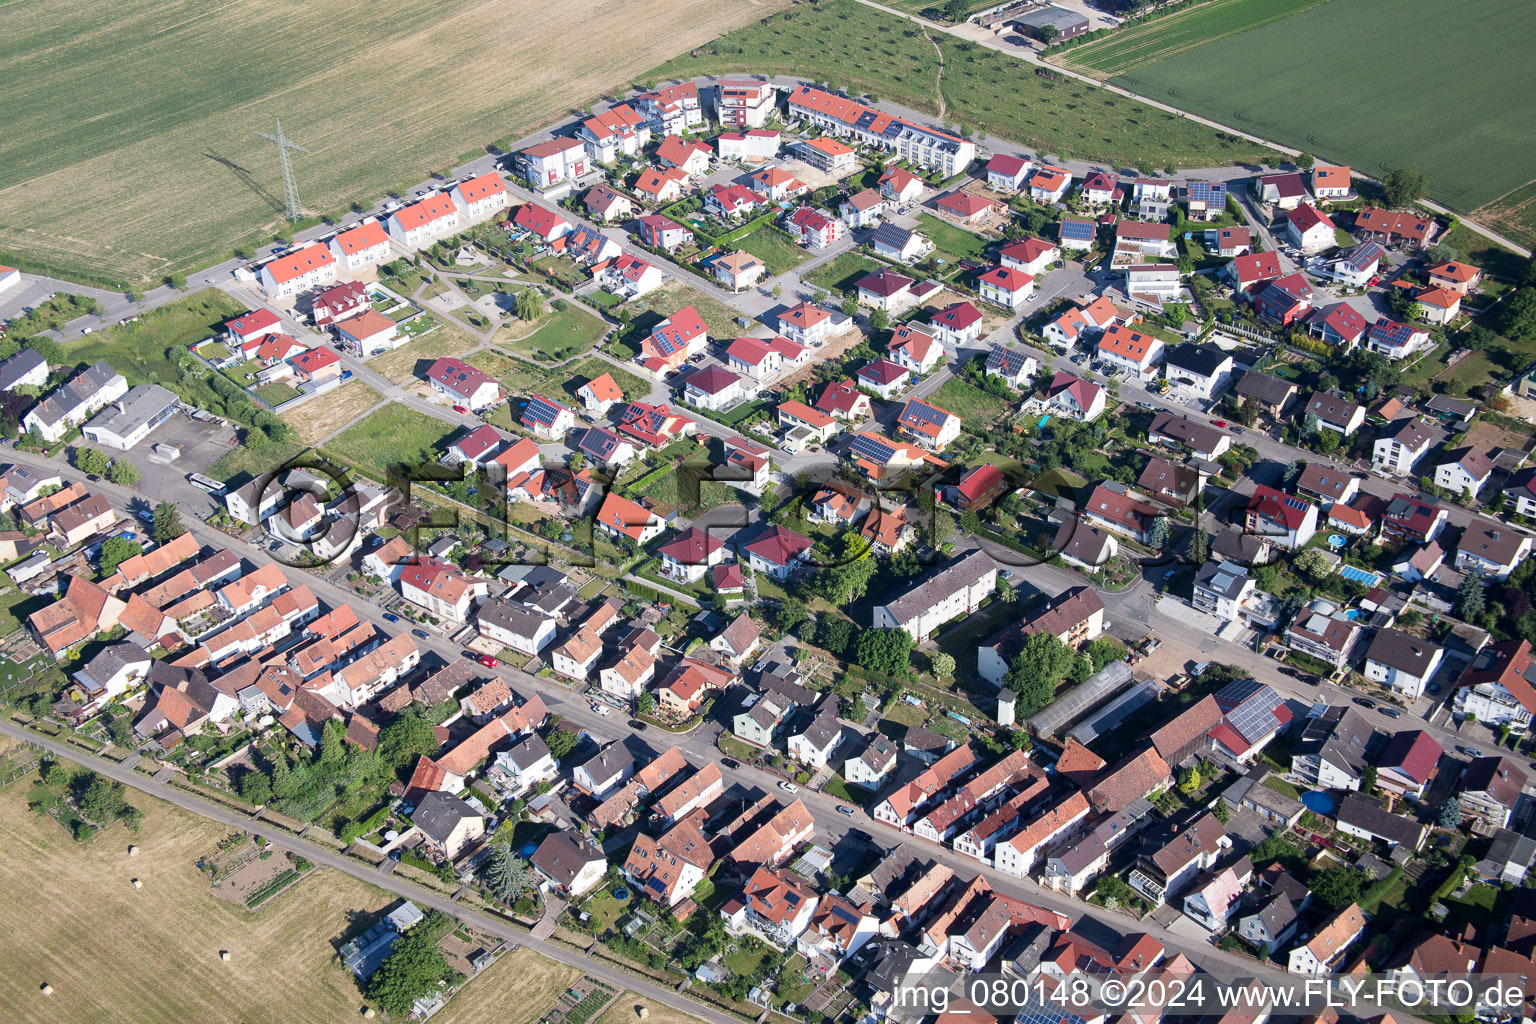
{"x": 1365, "y": 702}
{"x": 845, "y": 810}
{"x": 1392, "y": 712}
{"x": 460, "y": 410}
{"x": 1218, "y": 423}
{"x": 421, "y": 633}
{"x": 391, "y": 617}
{"x": 1474, "y": 752}
{"x": 637, "y": 725}
{"x": 730, "y": 762}
{"x": 789, "y": 787}
{"x": 487, "y": 661}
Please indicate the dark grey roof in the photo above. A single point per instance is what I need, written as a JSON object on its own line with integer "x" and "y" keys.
{"x": 824, "y": 728}
{"x": 1365, "y": 813}
{"x": 515, "y": 618}
{"x": 889, "y": 960}
{"x": 1402, "y": 651}
{"x": 1278, "y": 914}
{"x": 18, "y": 366}
{"x": 1264, "y": 388}
{"x": 1058, "y": 17}
{"x": 609, "y": 761}
{"x": 1223, "y": 578}
{"x": 562, "y": 855}
{"x": 1204, "y": 360}
{"x": 139, "y": 406}
{"x": 949, "y": 580}
{"x": 1340, "y": 735}
{"x": 1236, "y": 546}
{"x": 438, "y": 813}
{"x": 918, "y": 738}
{"x": 896, "y": 865}
{"x": 891, "y": 235}
{"x": 529, "y": 752}
{"x": 108, "y": 662}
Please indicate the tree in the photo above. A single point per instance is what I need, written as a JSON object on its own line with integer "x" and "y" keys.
{"x": 1368, "y": 779}
{"x": 884, "y": 650}
{"x": 406, "y": 737}
{"x": 1189, "y": 780}
{"x": 413, "y": 968}
{"x": 834, "y": 633}
{"x": 1040, "y": 665}
{"x": 167, "y": 525}
{"x": 124, "y": 473}
{"x": 1304, "y": 160}
{"x": 1003, "y": 592}
{"x": 1402, "y": 187}
{"x": 850, "y": 306}
{"x": 91, "y": 461}
{"x": 846, "y": 580}
{"x": 1449, "y": 815}
{"x": 1199, "y": 546}
{"x": 561, "y": 742}
{"x": 645, "y": 703}
{"x": 943, "y": 665}
{"x": 1469, "y": 598}
{"x": 792, "y": 611}
{"x": 529, "y": 304}
{"x": 1309, "y": 425}
{"x": 1157, "y": 533}
{"x": 1313, "y": 564}
{"x": 1518, "y": 318}
{"x": 1339, "y": 886}
{"x": 879, "y": 320}
{"x": 706, "y": 939}
{"x": 506, "y": 876}
{"x": 117, "y": 550}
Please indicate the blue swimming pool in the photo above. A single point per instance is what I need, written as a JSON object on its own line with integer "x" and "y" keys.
{"x": 1337, "y": 540}
{"x": 1349, "y": 572}
{"x": 1318, "y": 802}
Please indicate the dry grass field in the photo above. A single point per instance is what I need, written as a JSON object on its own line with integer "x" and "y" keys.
{"x": 623, "y": 1012}
{"x": 321, "y": 417}
{"x": 517, "y": 989}
{"x": 406, "y": 364}
{"x": 70, "y": 918}
{"x": 129, "y": 151}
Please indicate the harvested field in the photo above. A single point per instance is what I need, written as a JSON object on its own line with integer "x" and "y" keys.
{"x": 70, "y": 918}
{"x": 409, "y": 362}
{"x": 517, "y": 989}
{"x": 623, "y": 1011}
{"x": 321, "y": 417}
{"x": 157, "y": 103}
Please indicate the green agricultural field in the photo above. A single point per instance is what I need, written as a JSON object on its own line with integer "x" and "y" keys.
{"x": 774, "y": 248}
{"x": 854, "y": 47}
{"x": 130, "y": 150}
{"x": 1139, "y": 45}
{"x": 1513, "y": 216}
{"x": 393, "y": 436}
{"x": 1321, "y": 92}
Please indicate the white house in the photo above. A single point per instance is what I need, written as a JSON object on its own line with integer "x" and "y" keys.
{"x": 515, "y": 625}
{"x": 1491, "y": 548}
{"x": 1006, "y": 287}
{"x": 423, "y": 222}
{"x": 1309, "y": 229}
{"x": 1463, "y": 471}
{"x": 480, "y": 196}
{"x": 464, "y": 384}
{"x": 713, "y": 388}
{"x": 1397, "y": 453}
{"x": 1402, "y": 662}
{"x": 302, "y": 270}
{"x": 1199, "y": 370}
{"x": 1031, "y": 255}
{"x": 360, "y": 246}
{"x": 1496, "y": 686}
{"x": 955, "y": 590}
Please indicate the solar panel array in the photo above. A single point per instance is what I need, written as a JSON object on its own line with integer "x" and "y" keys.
{"x": 1208, "y": 191}
{"x": 1255, "y": 717}
{"x": 918, "y": 411}
{"x": 1079, "y": 229}
{"x": 541, "y": 410}
{"x": 871, "y": 448}
{"x": 1295, "y": 503}
{"x": 1038, "y": 1011}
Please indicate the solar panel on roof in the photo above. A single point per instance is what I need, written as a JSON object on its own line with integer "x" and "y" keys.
{"x": 920, "y": 412}
{"x": 1296, "y": 503}
{"x": 872, "y": 449}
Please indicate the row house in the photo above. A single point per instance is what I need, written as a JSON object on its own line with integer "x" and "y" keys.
{"x": 955, "y": 590}
{"x": 899, "y": 808}
{"x": 480, "y": 196}
{"x": 419, "y": 224}
{"x": 1189, "y": 851}
{"x": 361, "y": 246}
{"x": 441, "y": 589}
{"x": 1013, "y": 774}
{"x": 672, "y": 109}
{"x": 297, "y": 272}
{"x": 1020, "y": 855}
{"x": 917, "y": 144}
{"x": 551, "y": 163}
{"x": 617, "y": 131}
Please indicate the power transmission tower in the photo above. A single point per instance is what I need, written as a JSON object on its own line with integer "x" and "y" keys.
{"x": 290, "y": 183}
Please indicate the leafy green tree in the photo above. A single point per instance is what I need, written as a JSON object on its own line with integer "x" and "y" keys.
{"x": 970, "y": 522}
{"x": 506, "y": 875}
{"x": 1403, "y": 186}
{"x": 413, "y": 968}
{"x": 1469, "y": 598}
{"x": 886, "y": 651}
{"x": 847, "y": 580}
{"x": 706, "y": 939}
{"x": 117, "y": 550}
{"x": 408, "y": 736}
{"x": 1327, "y": 441}
{"x": 1339, "y": 886}
{"x": 1517, "y": 318}
{"x": 834, "y": 633}
{"x": 561, "y": 742}
{"x": 943, "y": 665}
{"x": 792, "y": 611}
{"x": 167, "y": 525}
{"x": 529, "y": 304}
{"x": 124, "y": 473}
{"x": 1199, "y": 545}
{"x": 850, "y": 304}
{"x": 956, "y": 10}
{"x": 1304, "y": 160}
{"x": 1003, "y": 592}
{"x": 1313, "y": 565}
{"x": 1040, "y": 665}
{"x": 91, "y": 461}
{"x": 254, "y": 787}
{"x": 645, "y": 703}
{"x": 879, "y": 320}
{"x": 1368, "y": 779}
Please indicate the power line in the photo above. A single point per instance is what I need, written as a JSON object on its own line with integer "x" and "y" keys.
{"x": 290, "y": 183}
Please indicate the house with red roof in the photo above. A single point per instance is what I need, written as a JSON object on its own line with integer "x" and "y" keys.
{"x": 630, "y": 277}
{"x": 1456, "y": 277}
{"x": 653, "y": 425}
{"x": 1031, "y": 255}
{"x": 732, "y": 201}
{"x": 1006, "y": 172}
{"x": 1133, "y": 350}
{"x": 419, "y": 224}
{"x": 812, "y": 228}
{"x": 713, "y": 388}
{"x": 660, "y": 232}
{"x": 617, "y": 131}
{"x": 1309, "y": 229}
{"x": 914, "y": 348}
{"x": 927, "y": 425}
{"x": 1049, "y": 184}
{"x": 753, "y": 356}
{"x": 542, "y": 222}
{"x": 844, "y": 401}
{"x": 967, "y": 207}
{"x": 301, "y": 270}
{"x": 1330, "y": 182}
{"x": 672, "y": 108}
{"x": 879, "y": 457}
{"x": 808, "y": 424}
{"x": 475, "y": 448}
{"x": 480, "y": 196}
{"x": 1394, "y": 227}
{"x": 547, "y": 419}
{"x": 884, "y": 378}
{"x": 829, "y": 156}
{"x": 863, "y": 208}
{"x": 599, "y": 394}
{"x": 1340, "y": 324}
{"x": 777, "y": 184}
{"x": 661, "y": 184}
{"x": 806, "y": 324}
{"x": 1288, "y": 519}
{"x": 620, "y": 517}
{"x": 249, "y": 328}
{"x": 1284, "y": 299}
{"x": 1069, "y": 397}
{"x": 1408, "y": 763}
{"x": 744, "y": 102}
{"x": 464, "y": 384}
{"x": 368, "y": 334}
{"x": 977, "y": 488}
{"x": 1006, "y": 287}
{"x": 606, "y": 205}
{"x": 1230, "y": 241}
{"x": 1099, "y": 188}
{"x": 957, "y": 325}
{"x": 1086, "y": 318}
{"x": 1395, "y": 339}
{"x": 688, "y": 155}
{"x": 360, "y": 246}
{"x": 687, "y": 556}
{"x": 1440, "y": 305}
{"x": 1498, "y": 687}
{"x": 338, "y": 302}
{"x": 316, "y": 365}
{"x": 1248, "y": 271}
{"x": 547, "y": 164}
{"x": 674, "y": 341}
{"x": 901, "y": 186}
{"x": 885, "y": 289}
{"x": 777, "y": 552}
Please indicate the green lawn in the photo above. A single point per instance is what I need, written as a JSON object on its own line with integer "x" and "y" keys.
{"x": 853, "y": 47}
{"x": 514, "y": 375}
{"x": 774, "y": 248}
{"x": 1473, "y": 151}
{"x": 973, "y": 405}
{"x": 561, "y": 335}
{"x": 243, "y": 461}
{"x": 841, "y": 273}
{"x": 950, "y": 243}
{"x": 137, "y": 350}
{"x": 392, "y": 436}
{"x": 277, "y": 394}
{"x": 1514, "y": 216}
{"x": 632, "y": 384}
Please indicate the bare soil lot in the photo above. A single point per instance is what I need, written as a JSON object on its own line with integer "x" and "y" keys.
{"x": 321, "y": 417}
